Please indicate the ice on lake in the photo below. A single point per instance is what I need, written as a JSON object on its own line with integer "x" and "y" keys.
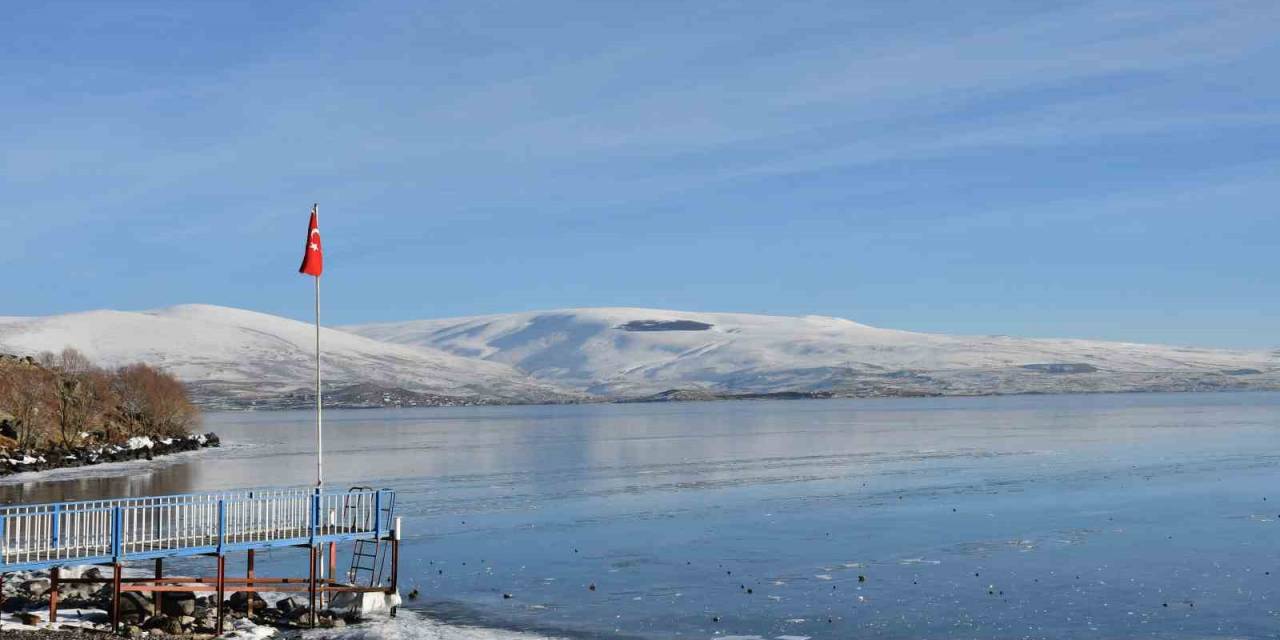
{"x": 1041, "y": 516}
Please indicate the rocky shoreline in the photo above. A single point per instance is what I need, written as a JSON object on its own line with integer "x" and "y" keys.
{"x": 14, "y": 461}
{"x": 83, "y": 610}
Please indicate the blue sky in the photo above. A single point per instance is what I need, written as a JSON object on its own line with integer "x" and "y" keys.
{"x": 1043, "y": 169}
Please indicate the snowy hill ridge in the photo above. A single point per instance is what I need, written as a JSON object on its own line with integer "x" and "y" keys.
{"x": 234, "y": 357}
{"x": 628, "y": 352}
{"x": 238, "y": 356}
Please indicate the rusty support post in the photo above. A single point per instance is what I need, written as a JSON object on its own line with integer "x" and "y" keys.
{"x": 333, "y": 568}
{"x": 53, "y": 593}
{"x": 311, "y": 582}
{"x": 395, "y": 564}
{"x": 221, "y": 590}
{"x": 117, "y": 570}
{"x": 156, "y": 595}
{"x": 395, "y": 567}
{"x": 248, "y": 574}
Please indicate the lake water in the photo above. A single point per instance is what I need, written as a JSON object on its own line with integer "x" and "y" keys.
{"x": 1048, "y": 516}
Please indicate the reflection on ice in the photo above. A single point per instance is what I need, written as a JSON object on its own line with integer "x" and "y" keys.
{"x": 980, "y": 517}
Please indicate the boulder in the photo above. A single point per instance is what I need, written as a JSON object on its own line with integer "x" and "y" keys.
{"x": 37, "y": 587}
{"x": 289, "y": 604}
{"x": 134, "y": 603}
{"x": 155, "y": 622}
{"x": 209, "y": 621}
{"x": 174, "y": 627}
{"x": 240, "y": 601}
{"x": 178, "y": 603}
{"x": 30, "y": 619}
{"x": 13, "y": 604}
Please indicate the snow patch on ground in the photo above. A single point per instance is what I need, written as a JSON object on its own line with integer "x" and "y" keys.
{"x": 139, "y": 442}
{"x": 67, "y": 619}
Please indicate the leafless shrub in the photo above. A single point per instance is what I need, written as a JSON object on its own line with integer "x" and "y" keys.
{"x": 71, "y": 361}
{"x": 26, "y": 394}
{"x": 152, "y": 402}
{"x": 85, "y": 401}
{"x": 57, "y": 397}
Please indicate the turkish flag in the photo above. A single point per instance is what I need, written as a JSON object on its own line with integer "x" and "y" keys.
{"x": 313, "y": 260}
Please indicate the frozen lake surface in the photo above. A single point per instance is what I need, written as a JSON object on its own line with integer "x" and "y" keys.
{"x": 1037, "y": 516}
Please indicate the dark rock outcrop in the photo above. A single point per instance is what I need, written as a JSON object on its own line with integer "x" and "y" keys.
{"x": 62, "y": 457}
{"x": 665, "y": 325}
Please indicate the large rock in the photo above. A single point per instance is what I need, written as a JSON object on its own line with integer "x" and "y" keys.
{"x": 297, "y": 613}
{"x": 14, "y": 604}
{"x": 289, "y": 604}
{"x": 240, "y": 601}
{"x": 134, "y": 603}
{"x": 37, "y": 587}
{"x": 156, "y": 622}
{"x": 173, "y": 627}
{"x": 178, "y": 603}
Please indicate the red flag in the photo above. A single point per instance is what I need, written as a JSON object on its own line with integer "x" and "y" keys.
{"x": 313, "y": 260}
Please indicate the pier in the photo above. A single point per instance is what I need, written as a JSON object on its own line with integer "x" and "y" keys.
{"x": 118, "y": 531}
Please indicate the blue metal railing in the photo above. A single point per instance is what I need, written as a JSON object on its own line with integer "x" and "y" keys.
{"x": 186, "y": 524}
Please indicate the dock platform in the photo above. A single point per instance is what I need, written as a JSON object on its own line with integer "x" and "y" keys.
{"x": 116, "y": 531}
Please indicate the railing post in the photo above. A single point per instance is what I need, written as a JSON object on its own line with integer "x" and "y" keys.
{"x": 57, "y": 527}
{"x": 117, "y": 534}
{"x": 4, "y": 542}
{"x": 222, "y": 523}
{"x": 377, "y": 514}
{"x": 315, "y": 514}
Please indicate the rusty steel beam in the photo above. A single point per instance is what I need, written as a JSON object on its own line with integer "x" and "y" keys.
{"x": 53, "y": 593}
{"x": 159, "y": 574}
{"x": 248, "y": 574}
{"x": 115, "y": 598}
{"x": 311, "y": 587}
{"x": 221, "y": 590}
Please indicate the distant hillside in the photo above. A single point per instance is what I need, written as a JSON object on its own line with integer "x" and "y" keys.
{"x": 624, "y": 352}
{"x": 237, "y": 358}
{"x": 232, "y": 357}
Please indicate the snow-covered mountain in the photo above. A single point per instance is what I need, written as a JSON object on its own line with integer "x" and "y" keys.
{"x": 228, "y": 354}
{"x": 236, "y": 357}
{"x": 632, "y": 352}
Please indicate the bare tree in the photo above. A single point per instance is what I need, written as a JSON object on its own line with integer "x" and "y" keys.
{"x": 84, "y": 399}
{"x": 57, "y": 397}
{"x": 26, "y": 394}
{"x": 153, "y": 402}
{"x": 72, "y": 361}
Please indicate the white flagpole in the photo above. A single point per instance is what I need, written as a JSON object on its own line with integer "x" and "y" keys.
{"x": 319, "y": 402}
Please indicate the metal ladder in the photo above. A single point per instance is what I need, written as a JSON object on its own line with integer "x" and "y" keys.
{"x": 368, "y": 559}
